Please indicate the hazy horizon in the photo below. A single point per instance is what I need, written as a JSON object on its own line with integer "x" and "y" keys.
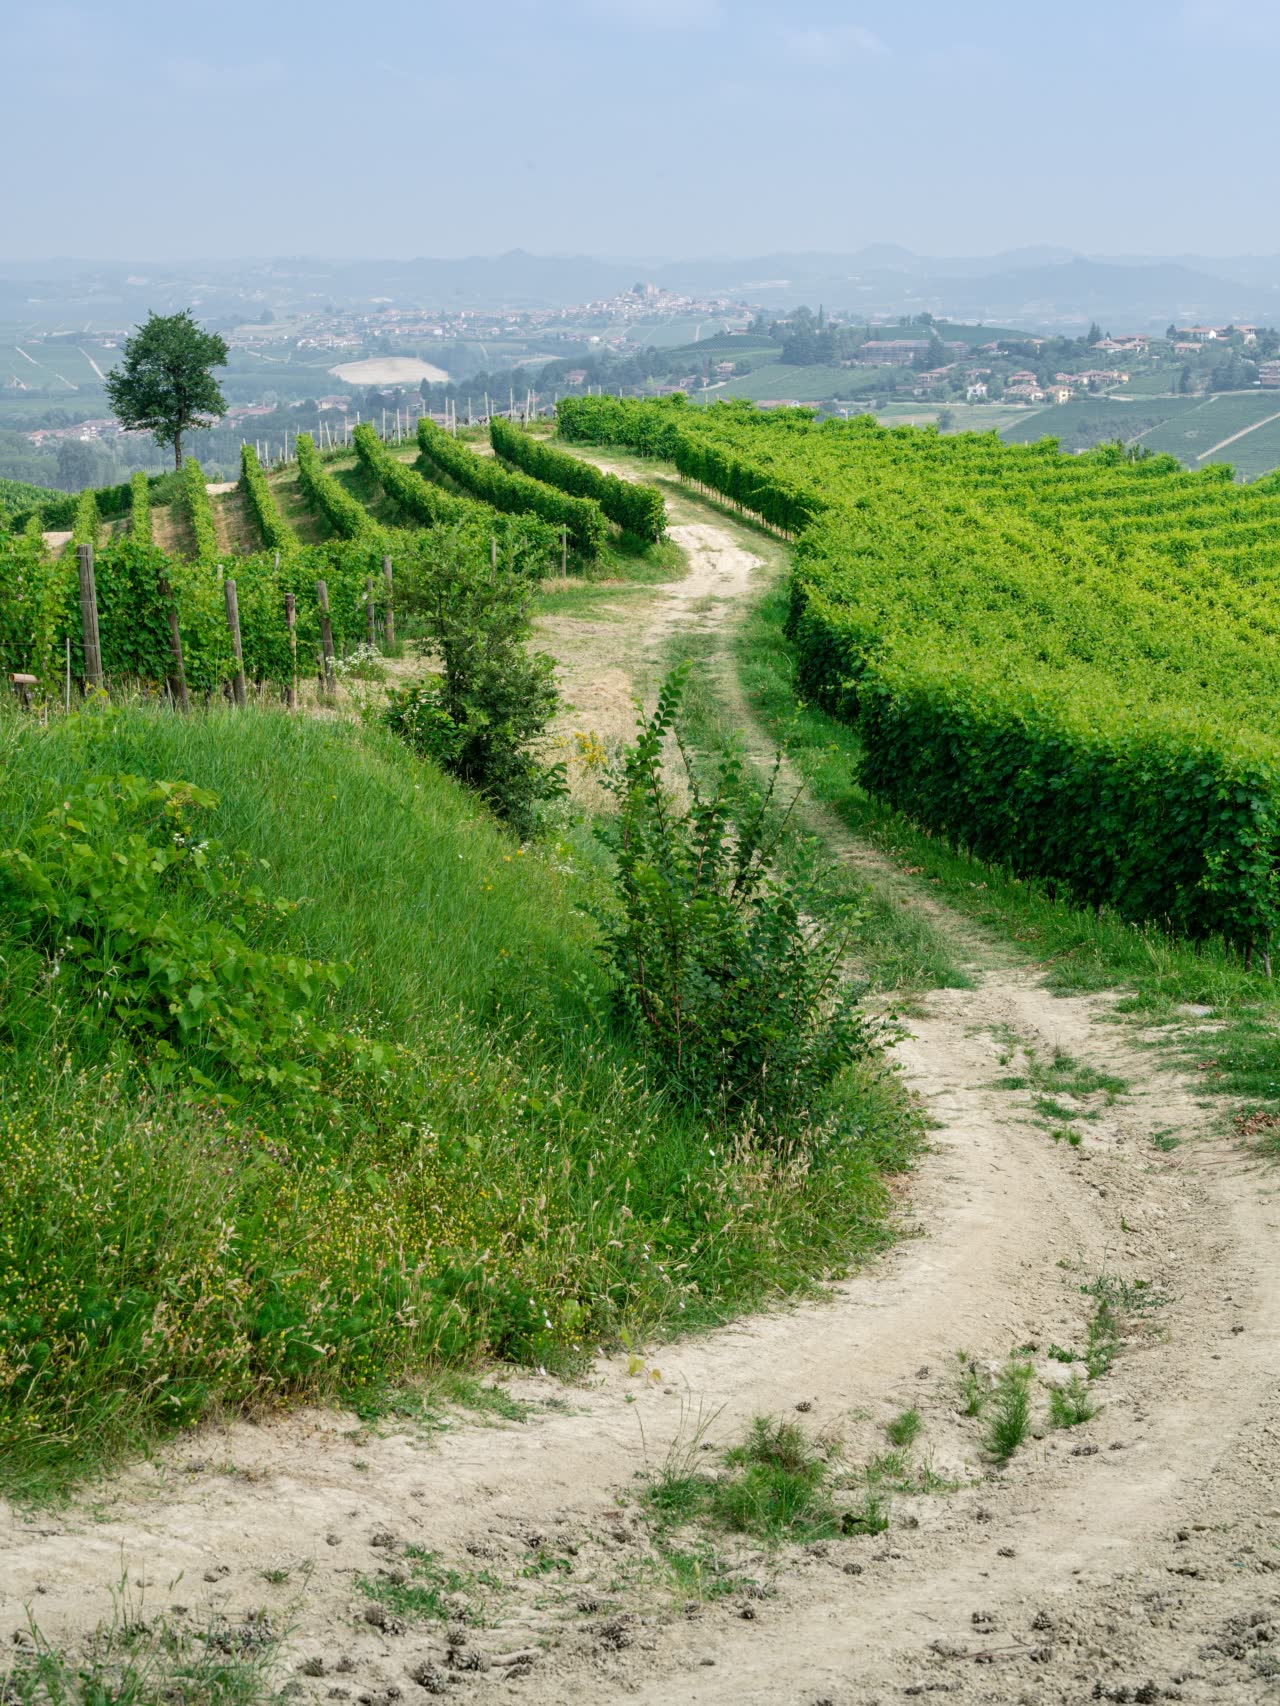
{"x": 637, "y": 128}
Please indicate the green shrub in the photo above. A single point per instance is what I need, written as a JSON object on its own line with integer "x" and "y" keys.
{"x": 86, "y": 526}
{"x": 195, "y": 496}
{"x": 347, "y": 517}
{"x": 1071, "y": 1403}
{"x": 716, "y": 957}
{"x": 93, "y": 891}
{"x": 484, "y": 718}
{"x": 1009, "y": 1417}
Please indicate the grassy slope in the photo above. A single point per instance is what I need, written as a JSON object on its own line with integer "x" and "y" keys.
{"x": 517, "y": 1186}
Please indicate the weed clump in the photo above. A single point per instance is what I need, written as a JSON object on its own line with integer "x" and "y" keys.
{"x": 905, "y": 1428}
{"x": 774, "y": 1487}
{"x": 1010, "y": 1413}
{"x": 1071, "y": 1404}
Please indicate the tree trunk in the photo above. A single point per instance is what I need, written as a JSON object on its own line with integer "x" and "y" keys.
{"x": 177, "y": 454}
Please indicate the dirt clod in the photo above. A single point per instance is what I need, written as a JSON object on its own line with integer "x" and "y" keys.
{"x": 378, "y": 1617}
{"x": 430, "y": 1677}
{"x": 615, "y": 1635}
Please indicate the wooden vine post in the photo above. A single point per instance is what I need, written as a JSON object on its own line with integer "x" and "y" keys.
{"x": 233, "y": 623}
{"x": 177, "y": 671}
{"x": 389, "y": 626}
{"x": 370, "y": 617}
{"x": 493, "y": 552}
{"x": 326, "y": 635}
{"x": 89, "y": 617}
{"x": 291, "y": 623}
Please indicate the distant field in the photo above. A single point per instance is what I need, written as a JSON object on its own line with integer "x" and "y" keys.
{"x": 1194, "y": 433}
{"x": 804, "y": 384}
{"x": 966, "y": 417}
{"x": 1156, "y": 382}
{"x": 64, "y": 368}
{"x": 974, "y": 336}
{"x": 1252, "y": 456}
{"x": 671, "y": 334}
{"x": 1086, "y": 421}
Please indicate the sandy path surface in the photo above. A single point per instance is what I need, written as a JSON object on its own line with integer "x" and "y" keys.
{"x": 1132, "y": 1558}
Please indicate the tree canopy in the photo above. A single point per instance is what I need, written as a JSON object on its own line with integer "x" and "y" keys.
{"x": 164, "y": 385}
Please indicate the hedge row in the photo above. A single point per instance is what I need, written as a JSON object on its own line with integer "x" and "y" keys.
{"x": 678, "y": 433}
{"x": 486, "y": 478}
{"x": 348, "y": 518}
{"x": 1136, "y": 813}
{"x": 636, "y": 509}
{"x": 140, "y": 510}
{"x": 525, "y": 543}
{"x": 195, "y": 500}
{"x": 276, "y": 533}
{"x": 34, "y": 591}
{"x": 137, "y": 583}
{"x": 86, "y": 521}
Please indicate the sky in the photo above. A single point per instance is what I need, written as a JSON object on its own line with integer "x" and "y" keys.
{"x": 635, "y": 128}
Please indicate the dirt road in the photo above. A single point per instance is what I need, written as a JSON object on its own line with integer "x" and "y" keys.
{"x": 1135, "y": 1557}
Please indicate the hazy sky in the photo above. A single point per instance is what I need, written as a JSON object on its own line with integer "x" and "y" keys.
{"x": 635, "y": 127}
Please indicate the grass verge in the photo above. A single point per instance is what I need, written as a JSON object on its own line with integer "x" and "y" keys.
{"x": 896, "y": 948}
{"x": 1079, "y": 952}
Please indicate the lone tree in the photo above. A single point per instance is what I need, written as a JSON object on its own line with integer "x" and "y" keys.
{"x": 163, "y": 385}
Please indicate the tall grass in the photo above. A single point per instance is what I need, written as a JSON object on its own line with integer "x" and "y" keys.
{"x": 512, "y": 1184}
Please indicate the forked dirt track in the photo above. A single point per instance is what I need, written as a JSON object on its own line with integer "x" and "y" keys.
{"x": 1135, "y": 1557}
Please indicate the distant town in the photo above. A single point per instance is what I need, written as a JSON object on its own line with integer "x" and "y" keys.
{"x": 320, "y": 366}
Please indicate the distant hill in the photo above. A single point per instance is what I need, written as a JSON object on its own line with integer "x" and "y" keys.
{"x": 1035, "y": 288}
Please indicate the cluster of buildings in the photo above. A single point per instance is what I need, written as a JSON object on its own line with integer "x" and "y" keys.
{"x": 337, "y": 329}
{"x": 1189, "y": 338}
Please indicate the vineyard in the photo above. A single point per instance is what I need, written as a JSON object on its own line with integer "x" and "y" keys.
{"x": 1065, "y": 666}
{"x": 163, "y": 615}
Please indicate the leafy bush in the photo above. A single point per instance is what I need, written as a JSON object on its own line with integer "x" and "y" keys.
{"x": 484, "y": 717}
{"x": 93, "y": 890}
{"x": 718, "y": 959}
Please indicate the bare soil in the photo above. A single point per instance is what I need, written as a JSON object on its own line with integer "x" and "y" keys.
{"x": 234, "y": 525}
{"x": 389, "y": 370}
{"x": 1132, "y": 1558}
